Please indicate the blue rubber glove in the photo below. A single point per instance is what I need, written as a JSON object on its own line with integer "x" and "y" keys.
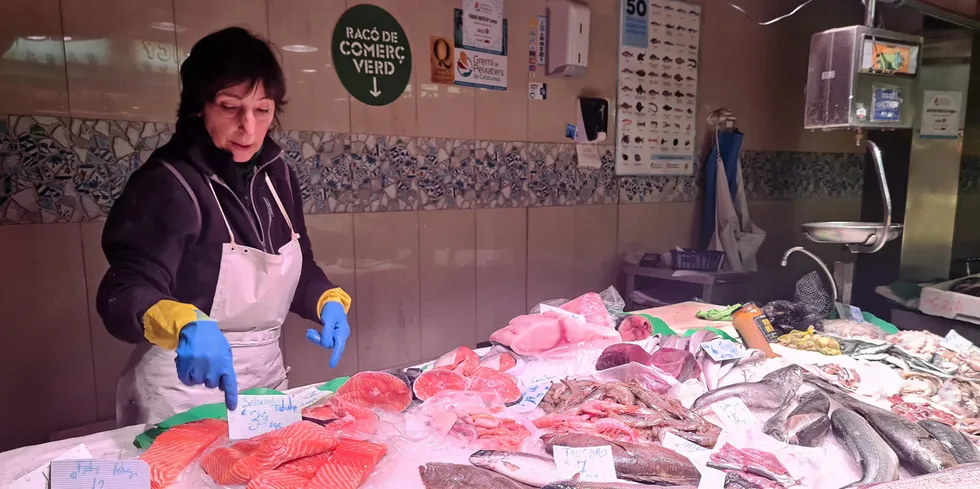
{"x": 204, "y": 357}
{"x": 335, "y": 331}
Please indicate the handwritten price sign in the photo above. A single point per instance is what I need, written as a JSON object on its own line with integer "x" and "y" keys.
{"x": 100, "y": 474}
{"x": 261, "y": 414}
{"x": 734, "y": 414}
{"x": 590, "y": 464}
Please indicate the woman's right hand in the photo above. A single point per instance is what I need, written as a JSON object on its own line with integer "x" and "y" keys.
{"x": 204, "y": 357}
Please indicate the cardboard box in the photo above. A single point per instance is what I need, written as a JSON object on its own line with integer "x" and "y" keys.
{"x": 938, "y": 300}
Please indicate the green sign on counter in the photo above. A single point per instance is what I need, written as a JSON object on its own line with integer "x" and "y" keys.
{"x": 371, "y": 54}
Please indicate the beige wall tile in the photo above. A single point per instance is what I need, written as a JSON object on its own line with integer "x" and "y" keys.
{"x": 110, "y": 354}
{"x": 198, "y": 18}
{"x": 596, "y": 258}
{"x": 447, "y": 273}
{"x": 32, "y": 69}
{"x": 332, "y": 236}
{"x": 501, "y": 268}
{"x": 658, "y": 227}
{"x": 502, "y": 115}
{"x": 49, "y": 352}
{"x": 399, "y": 117}
{"x": 550, "y": 254}
{"x": 316, "y": 99}
{"x": 124, "y": 62}
{"x": 444, "y": 111}
{"x": 387, "y": 277}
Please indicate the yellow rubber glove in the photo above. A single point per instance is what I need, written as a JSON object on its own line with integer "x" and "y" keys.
{"x": 334, "y": 295}
{"x": 164, "y": 320}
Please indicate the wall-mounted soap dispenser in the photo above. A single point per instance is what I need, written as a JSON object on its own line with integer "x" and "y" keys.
{"x": 568, "y": 37}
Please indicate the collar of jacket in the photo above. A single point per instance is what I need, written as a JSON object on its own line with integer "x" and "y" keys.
{"x": 192, "y": 138}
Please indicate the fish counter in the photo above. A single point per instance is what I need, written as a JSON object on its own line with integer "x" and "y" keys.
{"x": 579, "y": 394}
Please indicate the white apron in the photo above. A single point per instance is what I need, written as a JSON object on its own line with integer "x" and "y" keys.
{"x": 735, "y": 233}
{"x": 251, "y": 300}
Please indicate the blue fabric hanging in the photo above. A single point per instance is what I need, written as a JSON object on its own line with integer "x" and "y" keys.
{"x": 729, "y": 144}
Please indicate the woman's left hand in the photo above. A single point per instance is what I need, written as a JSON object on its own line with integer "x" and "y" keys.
{"x": 335, "y": 331}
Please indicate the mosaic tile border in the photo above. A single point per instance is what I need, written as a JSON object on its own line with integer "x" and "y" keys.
{"x": 70, "y": 170}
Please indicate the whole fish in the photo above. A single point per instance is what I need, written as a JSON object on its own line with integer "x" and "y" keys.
{"x": 812, "y": 433}
{"x": 812, "y": 402}
{"x": 641, "y": 463}
{"x": 601, "y": 485}
{"x": 878, "y": 461}
{"x": 776, "y": 426}
{"x": 769, "y": 393}
{"x": 913, "y": 444}
{"x": 456, "y": 476}
{"x": 528, "y": 468}
{"x": 953, "y": 440}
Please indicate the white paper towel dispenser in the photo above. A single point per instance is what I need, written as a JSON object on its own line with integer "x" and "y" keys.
{"x": 568, "y": 37}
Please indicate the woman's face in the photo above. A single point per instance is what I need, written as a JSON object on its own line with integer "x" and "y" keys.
{"x": 238, "y": 119}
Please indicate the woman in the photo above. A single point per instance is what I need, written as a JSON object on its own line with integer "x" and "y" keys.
{"x": 207, "y": 246}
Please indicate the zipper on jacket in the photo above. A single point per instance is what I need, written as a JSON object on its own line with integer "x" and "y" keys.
{"x": 272, "y": 215}
{"x": 251, "y": 193}
{"x": 233, "y": 194}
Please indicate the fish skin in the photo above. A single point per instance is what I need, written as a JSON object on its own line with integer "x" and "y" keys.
{"x": 776, "y": 426}
{"x": 601, "y": 485}
{"x": 769, "y": 393}
{"x": 527, "y": 468}
{"x": 456, "y": 476}
{"x": 810, "y": 435}
{"x": 641, "y": 463}
{"x": 953, "y": 440}
{"x": 913, "y": 444}
{"x": 879, "y": 463}
{"x": 812, "y": 402}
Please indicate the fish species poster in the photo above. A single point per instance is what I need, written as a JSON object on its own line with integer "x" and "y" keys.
{"x": 657, "y": 87}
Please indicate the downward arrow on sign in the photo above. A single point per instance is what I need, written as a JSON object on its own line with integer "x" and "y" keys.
{"x": 375, "y": 92}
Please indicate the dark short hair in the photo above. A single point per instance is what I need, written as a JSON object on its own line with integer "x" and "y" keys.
{"x": 226, "y": 58}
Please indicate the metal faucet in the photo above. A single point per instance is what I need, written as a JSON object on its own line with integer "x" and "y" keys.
{"x": 823, "y": 266}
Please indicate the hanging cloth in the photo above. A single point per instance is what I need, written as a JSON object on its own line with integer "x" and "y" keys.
{"x": 726, "y": 149}
{"x": 733, "y": 230}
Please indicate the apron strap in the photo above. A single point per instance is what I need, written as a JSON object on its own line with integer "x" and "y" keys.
{"x": 281, "y": 208}
{"x": 231, "y": 235}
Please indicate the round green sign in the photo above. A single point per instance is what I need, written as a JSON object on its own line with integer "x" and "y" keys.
{"x": 371, "y": 54}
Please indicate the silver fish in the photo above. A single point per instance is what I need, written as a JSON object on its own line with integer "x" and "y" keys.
{"x": 812, "y": 402}
{"x": 913, "y": 444}
{"x": 648, "y": 463}
{"x": 528, "y": 468}
{"x": 953, "y": 440}
{"x": 769, "y": 393}
{"x": 602, "y": 485}
{"x": 776, "y": 426}
{"x": 456, "y": 476}
{"x": 878, "y": 461}
{"x": 812, "y": 433}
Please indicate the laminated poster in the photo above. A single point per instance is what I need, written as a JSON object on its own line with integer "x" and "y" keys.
{"x": 657, "y": 87}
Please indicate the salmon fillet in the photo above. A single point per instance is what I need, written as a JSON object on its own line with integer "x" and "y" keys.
{"x": 177, "y": 447}
{"x": 349, "y": 465}
{"x": 376, "y": 390}
{"x": 291, "y": 475}
{"x": 245, "y": 460}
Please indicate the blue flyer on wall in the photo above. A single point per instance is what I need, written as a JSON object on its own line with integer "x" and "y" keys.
{"x": 635, "y": 23}
{"x": 887, "y": 102}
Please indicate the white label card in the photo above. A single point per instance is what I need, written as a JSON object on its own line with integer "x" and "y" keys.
{"x": 734, "y": 414}
{"x": 721, "y": 349}
{"x": 309, "y": 396}
{"x": 38, "y": 478}
{"x": 956, "y": 342}
{"x": 561, "y": 312}
{"x": 100, "y": 474}
{"x": 586, "y": 464}
{"x": 681, "y": 445}
{"x": 261, "y": 414}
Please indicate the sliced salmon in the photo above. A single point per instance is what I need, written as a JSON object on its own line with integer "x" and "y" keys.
{"x": 177, "y": 447}
{"x": 376, "y": 390}
{"x": 485, "y": 379}
{"x": 291, "y": 475}
{"x": 245, "y": 460}
{"x": 437, "y": 380}
{"x": 453, "y": 359}
{"x": 349, "y": 465}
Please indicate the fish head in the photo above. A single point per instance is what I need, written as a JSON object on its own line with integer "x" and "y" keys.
{"x": 486, "y": 459}
{"x": 790, "y": 376}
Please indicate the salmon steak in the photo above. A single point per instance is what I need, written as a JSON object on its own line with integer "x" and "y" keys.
{"x": 290, "y": 475}
{"x": 177, "y": 447}
{"x": 455, "y": 359}
{"x": 436, "y": 380}
{"x": 348, "y": 418}
{"x": 349, "y": 465}
{"x": 245, "y": 460}
{"x": 486, "y": 379}
{"x": 376, "y": 390}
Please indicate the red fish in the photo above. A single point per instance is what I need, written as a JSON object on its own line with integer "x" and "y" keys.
{"x": 177, "y": 447}
{"x": 376, "y": 390}
{"x": 485, "y": 379}
{"x": 436, "y": 380}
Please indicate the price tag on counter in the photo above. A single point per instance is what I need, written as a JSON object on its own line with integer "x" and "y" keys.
{"x": 956, "y": 342}
{"x": 308, "y": 396}
{"x": 100, "y": 474}
{"x": 38, "y": 478}
{"x": 734, "y": 414}
{"x": 587, "y": 464}
{"x": 721, "y": 349}
{"x": 261, "y": 414}
{"x": 680, "y": 445}
{"x": 561, "y": 312}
